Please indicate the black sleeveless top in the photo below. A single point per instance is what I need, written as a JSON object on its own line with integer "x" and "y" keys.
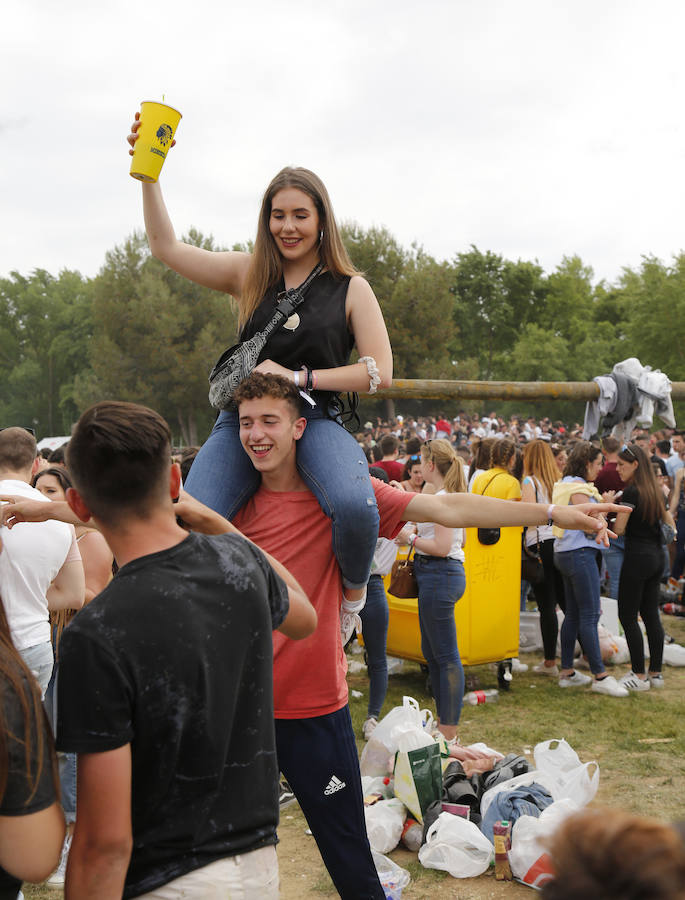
{"x": 321, "y": 340}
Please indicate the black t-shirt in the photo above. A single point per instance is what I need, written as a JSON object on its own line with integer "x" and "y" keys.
{"x": 638, "y": 529}
{"x": 175, "y": 658}
{"x": 19, "y": 798}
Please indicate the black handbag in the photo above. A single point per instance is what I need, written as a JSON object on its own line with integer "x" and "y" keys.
{"x": 488, "y": 536}
{"x": 236, "y": 363}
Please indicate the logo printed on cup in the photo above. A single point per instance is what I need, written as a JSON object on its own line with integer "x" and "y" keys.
{"x": 164, "y": 133}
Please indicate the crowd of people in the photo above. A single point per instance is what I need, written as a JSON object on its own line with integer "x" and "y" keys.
{"x": 185, "y": 624}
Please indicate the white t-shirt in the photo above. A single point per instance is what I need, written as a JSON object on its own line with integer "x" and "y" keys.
{"x": 32, "y": 555}
{"x": 542, "y": 532}
{"x": 427, "y": 530}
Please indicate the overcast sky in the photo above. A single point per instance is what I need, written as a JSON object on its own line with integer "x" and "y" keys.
{"x": 533, "y": 129}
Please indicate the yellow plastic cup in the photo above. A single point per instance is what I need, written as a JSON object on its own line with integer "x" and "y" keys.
{"x": 156, "y": 132}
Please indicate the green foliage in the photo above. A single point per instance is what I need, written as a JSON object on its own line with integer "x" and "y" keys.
{"x": 157, "y": 336}
{"x": 45, "y": 328}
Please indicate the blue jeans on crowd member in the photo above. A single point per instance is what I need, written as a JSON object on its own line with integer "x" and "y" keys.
{"x": 66, "y": 761}
{"x": 580, "y": 571}
{"x": 613, "y": 560}
{"x": 374, "y": 618}
{"x": 441, "y": 583}
{"x": 40, "y": 660}
{"x": 333, "y": 467}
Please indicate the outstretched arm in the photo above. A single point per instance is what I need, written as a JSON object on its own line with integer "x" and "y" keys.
{"x": 476, "y": 511}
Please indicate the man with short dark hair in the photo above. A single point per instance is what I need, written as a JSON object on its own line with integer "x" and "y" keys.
{"x": 40, "y": 567}
{"x": 390, "y": 450}
{"x": 165, "y": 687}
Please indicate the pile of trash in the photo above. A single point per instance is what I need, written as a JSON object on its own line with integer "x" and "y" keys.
{"x": 461, "y": 815}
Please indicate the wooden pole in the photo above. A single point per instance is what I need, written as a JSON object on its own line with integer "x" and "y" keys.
{"x": 502, "y": 390}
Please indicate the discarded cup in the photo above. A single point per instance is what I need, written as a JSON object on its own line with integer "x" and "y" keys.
{"x": 158, "y": 124}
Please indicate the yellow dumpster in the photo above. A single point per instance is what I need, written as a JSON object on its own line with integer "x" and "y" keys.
{"x": 487, "y": 616}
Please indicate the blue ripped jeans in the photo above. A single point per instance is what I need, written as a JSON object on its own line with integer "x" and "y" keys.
{"x": 332, "y": 465}
{"x": 441, "y": 583}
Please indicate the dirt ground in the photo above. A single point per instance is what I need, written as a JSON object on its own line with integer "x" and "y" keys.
{"x": 303, "y": 876}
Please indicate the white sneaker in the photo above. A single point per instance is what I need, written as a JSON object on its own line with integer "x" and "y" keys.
{"x": 518, "y": 666}
{"x": 610, "y": 687}
{"x": 633, "y": 683}
{"x": 657, "y": 681}
{"x": 575, "y": 680}
{"x": 369, "y": 727}
{"x": 542, "y": 669}
{"x": 57, "y": 877}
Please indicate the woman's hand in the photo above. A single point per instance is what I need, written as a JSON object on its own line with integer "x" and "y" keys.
{"x": 133, "y": 136}
{"x": 269, "y": 367}
{"x": 608, "y": 496}
{"x": 589, "y": 517}
{"x": 405, "y": 534}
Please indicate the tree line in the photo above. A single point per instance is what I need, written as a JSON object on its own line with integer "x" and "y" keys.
{"x": 139, "y": 332}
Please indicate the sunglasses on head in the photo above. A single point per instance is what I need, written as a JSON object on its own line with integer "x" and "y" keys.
{"x": 626, "y": 449}
{"x": 415, "y": 458}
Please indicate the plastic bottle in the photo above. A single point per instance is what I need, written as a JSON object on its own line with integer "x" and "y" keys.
{"x": 412, "y": 834}
{"x": 502, "y": 840}
{"x": 475, "y": 698}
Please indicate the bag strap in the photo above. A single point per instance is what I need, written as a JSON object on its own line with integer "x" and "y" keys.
{"x": 289, "y": 302}
{"x": 482, "y": 493}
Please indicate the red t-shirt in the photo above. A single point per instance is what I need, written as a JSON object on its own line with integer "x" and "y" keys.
{"x": 392, "y": 468}
{"x": 444, "y": 426}
{"x": 309, "y": 675}
{"x": 608, "y": 478}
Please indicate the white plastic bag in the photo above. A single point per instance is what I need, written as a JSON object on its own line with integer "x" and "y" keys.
{"x": 576, "y": 780}
{"x": 407, "y": 714}
{"x": 410, "y": 737}
{"x": 384, "y": 823}
{"x": 376, "y": 759}
{"x": 674, "y": 655}
{"x": 528, "y": 858}
{"x": 621, "y": 655}
{"x": 457, "y": 846}
{"x": 393, "y": 878}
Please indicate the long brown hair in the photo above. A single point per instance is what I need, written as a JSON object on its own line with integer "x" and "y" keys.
{"x": 651, "y": 500}
{"x": 539, "y": 462}
{"x": 266, "y": 266}
{"x": 18, "y": 680}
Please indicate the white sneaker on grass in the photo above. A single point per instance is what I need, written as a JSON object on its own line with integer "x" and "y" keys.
{"x": 575, "y": 680}
{"x": 542, "y": 669}
{"x": 657, "y": 681}
{"x": 369, "y": 727}
{"x": 57, "y": 877}
{"x": 610, "y": 687}
{"x": 633, "y": 683}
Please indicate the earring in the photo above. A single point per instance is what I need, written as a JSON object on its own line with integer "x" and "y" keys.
{"x": 320, "y": 236}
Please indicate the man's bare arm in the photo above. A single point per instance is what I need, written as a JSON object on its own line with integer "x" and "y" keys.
{"x": 103, "y": 839}
{"x": 476, "y": 511}
{"x": 301, "y": 619}
{"x": 20, "y": 509}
